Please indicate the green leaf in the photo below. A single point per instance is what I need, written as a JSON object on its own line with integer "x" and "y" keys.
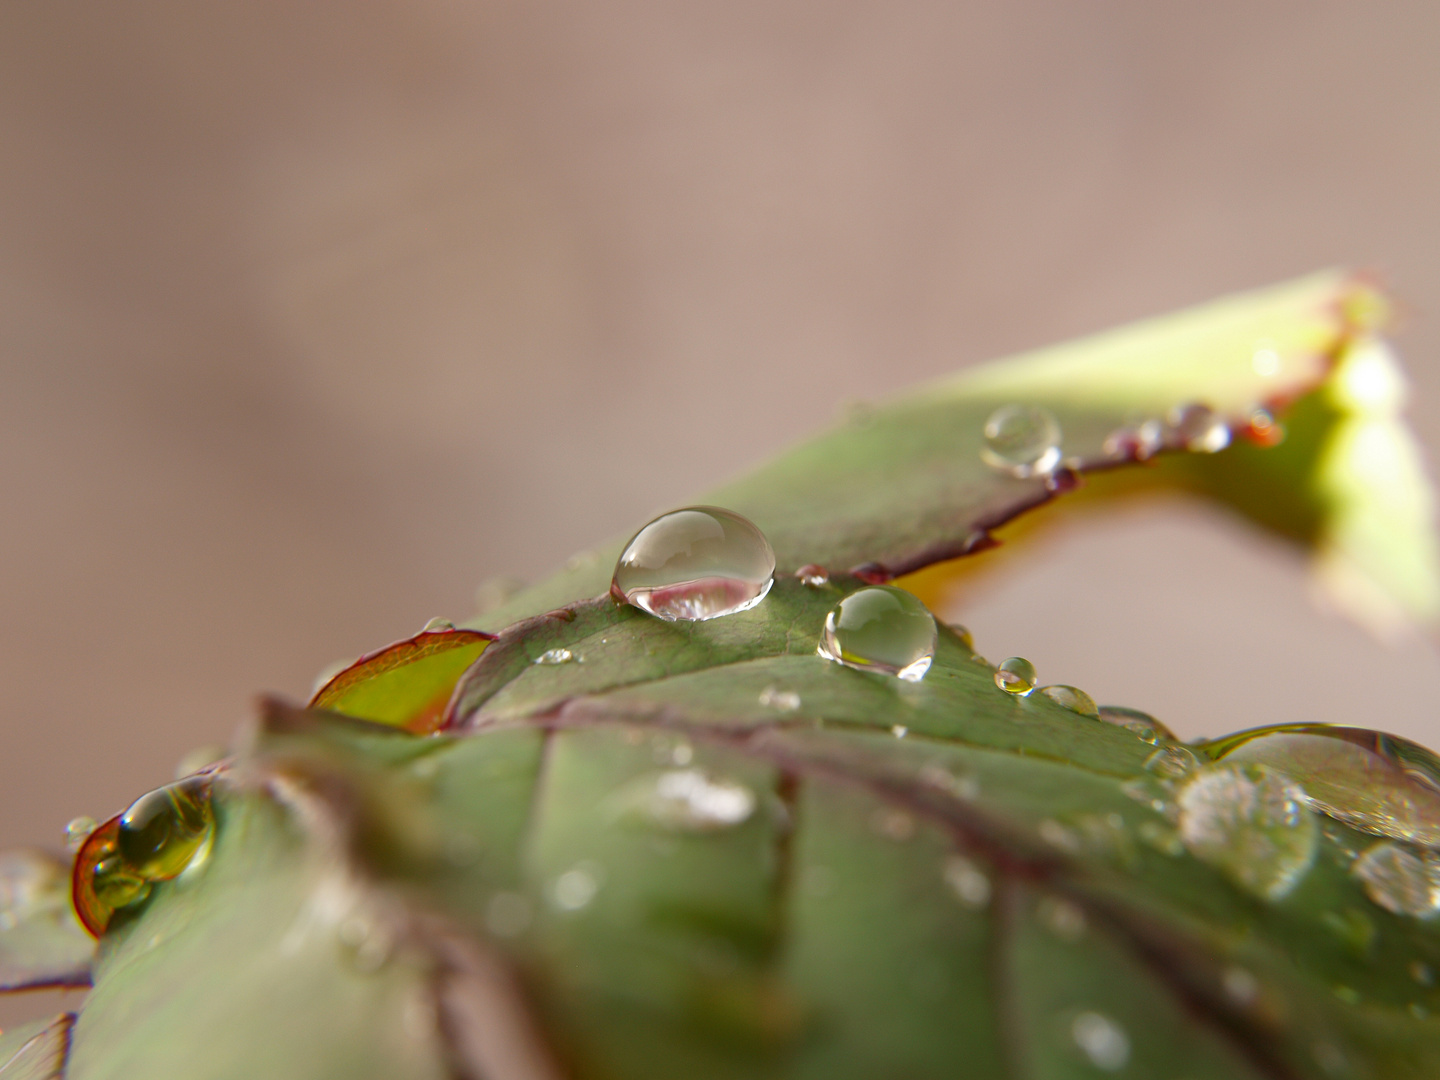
{"x": 41, "y": 942}
{"x": 405, "y": 685}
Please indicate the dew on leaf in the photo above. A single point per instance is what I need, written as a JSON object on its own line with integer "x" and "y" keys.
{"x": 437, "y": 625}
{"x": 77, "y": 829}
{"x": 556, "y": 656}
{"x": 1240, "y": 985}
{"x": 968, "y": 882}
{"x": 1140, "y": 724}
{"x": 812, "y": 575}
{"x": 1199, "y": 429}
{"x": 1102, "y": 1040}
{"x": 1022, "y": 440}
{"x": 1061, "y": 918}
{"x": 1059, "y": 836}
{"x": 893, "y": 824}
{"x": 1172, "y": 762}
{"x": 576, "y": 887}
{"x": 881, "y": 628}
{"x": 1072, "y": 698}
{"x": 1377, "y": 783}
{"x": 899, "y": 730}
{"x": 695, "y": 564}
{"x": 1398, "y": 879}
{"x": 164, "y": 830}
{"x": 784, "y": 700}
{"x": 687, "y": 800}
{"x": 1251, "y": 824}
{"x": 1016, "y": 676}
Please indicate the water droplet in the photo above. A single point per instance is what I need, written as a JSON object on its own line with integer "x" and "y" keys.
{"x": 695, "y": 564}
{"x": 784, "y": 700}
{"x": 967, "y": 881}
{"x": 813, "y": 576}
{"x": 1140, "y": 724}
{"x": 1399, "y": 880}
{"x": 1102, "y": 1040}
{"x": 893, "y": 824}
{"x": 1016, "y": 676}
{"x": 689, "y": 800}
{"x": 963, "y": 633}
{"x": 508, "y": 914}
{"x": 938, "y": 776}
{"x": 899, "y": 730}
{"x": 1023, "y": 440}
{"x": 1241, "y": 987}
{"x": 77, "y": 830}
{"x": 1062, "y": 918}
{"x": 881, "y": 628}
{"x": 1265, "y": 361}
{"x": 163, "y": 831}
{"x": 1377, "y": 783}
{"x": 1172, "y": 762}
{"x": 1251, "y": 824}
{"x": 1199, "y": 429}
{"x": 437, "y": 625}
{"x": 1058, "y": 836}
{"x": 1072, "y": 698}
{"x": 576, "y": 887}
{"x": 556, "y": 656}
{"x": 1422, "y": 972}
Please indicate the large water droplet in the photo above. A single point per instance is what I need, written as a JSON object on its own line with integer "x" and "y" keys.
{"x": 1378, "y": 783}
{"x": 1250, "y": 823}
{"x": 1140, "y": 724}
{"x": 695, "y": 564}
{"x": 1400, "y": 880}
{"x": 881, "y": 628}
{"x": 1016, "y": 676}
{"x": 163, "y": 831}
{"x": 1023, "y": 440}
{"x": 1072, "y": 698}
{"x": 1102, "y": 1040}
{"x": 1199, "y": 429}
{"x": 689, "y": 800}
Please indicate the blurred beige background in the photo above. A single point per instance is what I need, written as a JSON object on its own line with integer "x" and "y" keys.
{"x": 314, "y": 316}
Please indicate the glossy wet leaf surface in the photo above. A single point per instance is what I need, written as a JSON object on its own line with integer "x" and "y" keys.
{"x": 41, "y": 942}
{"x": 640, "y": 848}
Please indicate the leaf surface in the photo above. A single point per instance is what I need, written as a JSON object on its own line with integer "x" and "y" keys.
{"x": 405, "y": 685}
{"x": 41, "y": 942}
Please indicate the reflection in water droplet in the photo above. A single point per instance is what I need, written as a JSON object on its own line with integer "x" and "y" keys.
{"x": 1072, "y": 698}
{"x": 1377, "y": 783}
{"x": 1016, "y": 676}
{"x": 556, "y": 656}
{"x": 695, "y": 564}
{"x": 784, "y": 700}
{"x": 1198, "y": 429}
{"x": 1172, "y": 762}
{"x": 164, "y": 830}
{"x": 437, "y": 625}
{"x": 1251, "y": 824}
{"x": 881, "y": 628}
{"x": 508, "y": 914}
{"x": 1103, "y": 1041}
{"x": 1400, "y": 880}
{"x": 812, "y": 575}
{"x": 1023, "y": 440}
{"x": 967, "y": 881}
{"x": 77, "y": 829}
{"x": 1140, "y": 724}
{"x": 576, "y": 887}
{"x": 688, "y": 800}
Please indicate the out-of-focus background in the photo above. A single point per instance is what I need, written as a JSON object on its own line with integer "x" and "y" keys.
{"x": 315, "y": 316}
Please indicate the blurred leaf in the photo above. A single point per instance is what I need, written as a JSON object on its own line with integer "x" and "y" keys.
{"x": 41, "y": 942}
{"x": 36, "y": 1051}
{"x": 405, "y": 685}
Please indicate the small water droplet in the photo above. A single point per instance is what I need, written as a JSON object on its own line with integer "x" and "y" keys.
{"x": 163, "y": 831}
{"x": 77, "y": 830}
{"x": 695, "y": 564}
{"x": 1062, "y": 918}
{"x": 1058, "y": 836}
{"x": 1251, "y": 824}
{"x": 881, "y": 628}
{"x": 1140, "y": 724}
{"x": 508, "y": 914}
{"x": 899, "y": 730}
{"x": 437, "y": 625}
{"x": 1199, "y": 429}
{"x": 1399, "y": 880}
{"x": 1241, "y": 987}
{"x": 813, "y": 576}
{"x": 556, "y": 656}
{"x": 893, "y": 824}
{"x": 1422, "y": 972}
{"x": 941, "y": 778}
{"x": 689, "y": 800}
{"x": 576, "y": 887}
{"x": 1102, "y": 1040}
{"x": 1022, "y": 440}
{"x": 784, "y": 700}
{"x": 1072, "y": 698}
{"x": 1377, "y": 783}
{"x": 967, "y": 881}
{"x": 1016, "y": 676}
{"x": 1172, "y": 762}
{"x": 963, "y": 633}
